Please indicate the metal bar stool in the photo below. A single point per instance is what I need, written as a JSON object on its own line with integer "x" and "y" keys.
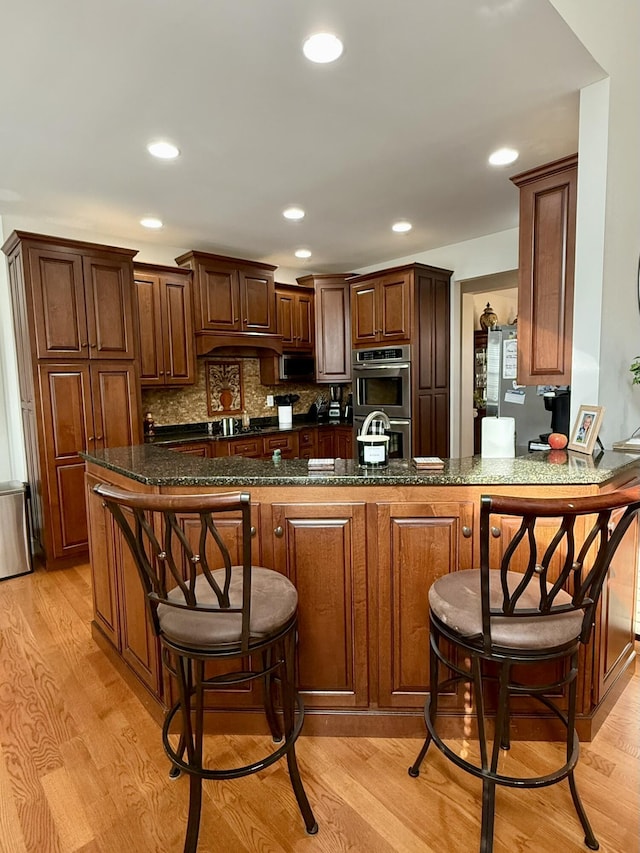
{"x": 496, "y": 627}
{"x": 205, "y": 609}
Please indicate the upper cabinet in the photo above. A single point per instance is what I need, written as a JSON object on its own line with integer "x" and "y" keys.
{"x": 381, "y": 308}
{"x": 295, "y": 317}
{"x": 546, "y": 272}
{"x": 165, "y": 325}
{"x": 230, "y": 296}
{"x": 332, "y": 326}
{"x": 79, "y": 296}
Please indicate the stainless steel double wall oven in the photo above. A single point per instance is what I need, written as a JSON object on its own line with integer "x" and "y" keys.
{"x": 382, "y": 381}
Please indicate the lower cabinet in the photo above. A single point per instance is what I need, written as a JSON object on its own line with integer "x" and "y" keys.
{"x": 118, "y": 598}
{"x": 322, "y": 549}
{"x": 417, "y": 543}
{"x": 199, "y": 448}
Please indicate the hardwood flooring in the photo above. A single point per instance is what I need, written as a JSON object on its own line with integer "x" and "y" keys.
{"x": 82, "y": 768}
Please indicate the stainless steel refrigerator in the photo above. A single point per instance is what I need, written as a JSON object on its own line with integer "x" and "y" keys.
{"x": 507, "y": 399}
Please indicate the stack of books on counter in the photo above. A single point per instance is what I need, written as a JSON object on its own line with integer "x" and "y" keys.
{"x": 428, "y": 463}
{"x": 321, "y": 464}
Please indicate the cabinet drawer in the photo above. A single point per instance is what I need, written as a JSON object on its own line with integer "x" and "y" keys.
{"x": 287, "y": 443}
{"x": 251, "y": 447}
{"x": 192, "y": 448}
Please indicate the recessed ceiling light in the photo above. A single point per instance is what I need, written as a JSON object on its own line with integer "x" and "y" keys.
{"x": 401, "y": 227}
{"x": 293, "y": 213}
{"x": 163, "y": 150}
{"x": 503, "y": 156}
{"x": 303, "y": 253}
{"x": 322, "y": 47}
{"x": 151, "y": 222}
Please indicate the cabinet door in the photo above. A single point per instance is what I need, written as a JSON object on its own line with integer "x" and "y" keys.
{"x": 321, "y": 548}
{"x": 304, "y": 321}
{"x": 103, "y": 576}
{"x": 58, "y": 303}
{"x": 177, "y": 330}
{"x": 257, "y": 301}
{"x": 364, "y": 313}
{"x": 216, "y": 297}
{"x": 326, "y": 442}
{"x": 67, "y": 429}
{"x": 344, "y": 442}
{"x": 116, "y": 409}
{"x": 430, "y": 375}
{"x": 394, "y": 311}
{"x": 285, "y": 310}
{"x": 333, "y": 330}
{"x": 149, "y": 327}
{"x": 230, "y": 529}
{"x": 504, "y": 529}
{"x": 548, "y": 198}
{"x": 108, "y": 283}
{"x": 613, "y": 640}
{"x": 417, "y": 544}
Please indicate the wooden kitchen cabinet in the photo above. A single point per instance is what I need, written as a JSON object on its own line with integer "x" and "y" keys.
{"x": 332, "y": 610}
{"x": 286, "y": 442}
{"x": 191, "y": 448}
{"x": 343, "y": 442}
{"x": 430, "y": 361}
{"x": 381, "y": 308}
{"x": 417, "y": 543}
{"x": 78, "y": 405}
{"x": 326, "y": 442}
{"x": 308, "y": 443}
{"x": 118, "y": 598}
{"x": 547, "y": 241}
{"x": 251, "y": 446}
{"x": 230, "y": 296}
{"x": 72, "y": 306}
{"x": 295, "y": 317}
{"x": 332, "y": 326}
{"x": 165, "y": 325}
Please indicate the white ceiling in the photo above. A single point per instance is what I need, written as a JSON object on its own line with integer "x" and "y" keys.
{"x": 399, "y": 127}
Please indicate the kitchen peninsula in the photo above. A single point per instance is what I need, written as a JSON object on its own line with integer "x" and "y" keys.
{"x": 362, "y": 547}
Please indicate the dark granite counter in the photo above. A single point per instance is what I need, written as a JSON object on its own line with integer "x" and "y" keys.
{"x": 198, "y": 432}
{"x": 158, "y": 466}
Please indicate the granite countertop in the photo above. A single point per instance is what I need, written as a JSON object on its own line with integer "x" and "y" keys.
{"x": 159, "y": 466}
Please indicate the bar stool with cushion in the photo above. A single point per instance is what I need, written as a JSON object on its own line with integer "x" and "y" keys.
{"x": 496, "y": 628}
{"x": 205, "y": 609}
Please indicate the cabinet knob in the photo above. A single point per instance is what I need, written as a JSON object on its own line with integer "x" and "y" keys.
{"x": 93, "y": 346}
{"x": 99, "y": 437}
{"x": 496, "y": 532}
{"x": 235, "y": 319}
{"x": 253, "y": 531}
{"x": 83, "y": 344}
{"x": 466, "y": 532}
{"x": 162, "y": 373}
{"x": 279, "y": 532}
{"x": 91, "y": 438}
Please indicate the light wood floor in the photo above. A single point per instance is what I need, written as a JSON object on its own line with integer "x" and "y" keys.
{"x": 82, "y": 768}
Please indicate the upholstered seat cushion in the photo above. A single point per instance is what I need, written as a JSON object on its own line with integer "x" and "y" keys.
{"x": 455, "y": 600}
{"x": 273, "y": 603}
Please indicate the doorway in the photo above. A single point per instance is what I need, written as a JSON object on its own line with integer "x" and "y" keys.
{"x": 501, "y": 291}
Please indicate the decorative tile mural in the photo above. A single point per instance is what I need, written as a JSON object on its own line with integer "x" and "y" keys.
{"x": 224, "y": 387}
{"x": 188, "y": 404}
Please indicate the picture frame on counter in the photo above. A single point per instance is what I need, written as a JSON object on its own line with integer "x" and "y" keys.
{"x": 586, "y": 428}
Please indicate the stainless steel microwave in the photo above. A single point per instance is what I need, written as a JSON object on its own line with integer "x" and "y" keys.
{"x": 299, "y": 367}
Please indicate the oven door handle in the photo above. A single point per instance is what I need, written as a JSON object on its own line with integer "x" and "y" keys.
{"x": 398, "y": 422}
{"x": 394, "y": 366}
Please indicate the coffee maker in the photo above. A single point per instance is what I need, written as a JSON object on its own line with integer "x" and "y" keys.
{"x": 335, "y": 405}
{"x": 558, "y": 402}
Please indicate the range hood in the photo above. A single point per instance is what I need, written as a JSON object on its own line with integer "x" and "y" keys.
{"x": 239, "y": 344}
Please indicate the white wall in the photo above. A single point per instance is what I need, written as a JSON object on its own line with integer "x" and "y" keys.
{"x": 610, "y": 32}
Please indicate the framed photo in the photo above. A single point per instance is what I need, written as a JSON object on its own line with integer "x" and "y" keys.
{"x": 224, "y": 387}
{"x": 586, "y": 428}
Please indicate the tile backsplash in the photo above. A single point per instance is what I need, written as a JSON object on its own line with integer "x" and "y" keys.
{"x": 188, "y": 404}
